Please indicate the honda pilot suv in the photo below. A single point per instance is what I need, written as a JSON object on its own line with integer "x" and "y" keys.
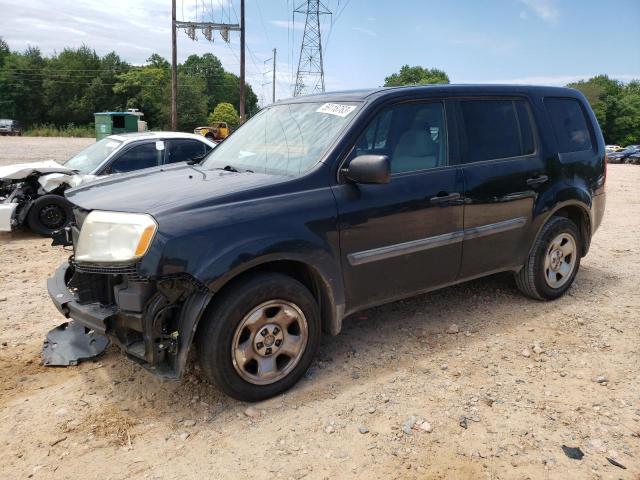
{"x": 324, "y": 205}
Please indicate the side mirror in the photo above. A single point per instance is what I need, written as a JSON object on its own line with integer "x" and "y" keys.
{"x": 369, "y": 169}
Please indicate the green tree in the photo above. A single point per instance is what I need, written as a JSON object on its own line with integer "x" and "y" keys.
{"x": 225, "y": 112}
{"x": 209, "y": 67}
{"x": 69, "y": 88}
{"x": 616, "y": 106}
{"x": 415, "y": 76}
{"x": 192, "y": 101}
{"x": 21, "y": 84}
{"x": 231, "y": 94}
{"x": 4, "y": 51}
{"x": 148, "y": 89}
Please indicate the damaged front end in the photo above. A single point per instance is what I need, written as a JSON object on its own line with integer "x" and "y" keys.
{"x": 15, "y": 199}
{"x": 22, "y": 184}
{"x": 152, "y": 320}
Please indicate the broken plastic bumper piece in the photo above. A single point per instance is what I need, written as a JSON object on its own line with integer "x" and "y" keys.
{"x": 70, "y": 343}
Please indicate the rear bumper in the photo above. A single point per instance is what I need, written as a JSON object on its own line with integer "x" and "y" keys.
{"x": 599, "y": 204}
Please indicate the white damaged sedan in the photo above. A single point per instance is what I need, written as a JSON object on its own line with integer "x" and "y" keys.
{"x": 32, "y": 194}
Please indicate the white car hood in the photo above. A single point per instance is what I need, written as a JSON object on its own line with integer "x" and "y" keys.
{"x": 23, "y": 170}
{"x": 52, "y": 174}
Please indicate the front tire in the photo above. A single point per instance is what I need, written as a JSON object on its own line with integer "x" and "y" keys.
{"x": 48, "y": 214}
{"x": 260, "y": 337}
{"x": 553, "y": 262}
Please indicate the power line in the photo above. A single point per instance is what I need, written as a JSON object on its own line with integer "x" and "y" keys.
{"x": 338, "y": 15}
{"x": 264, "y": 28}
{"x": 310, "y": 73}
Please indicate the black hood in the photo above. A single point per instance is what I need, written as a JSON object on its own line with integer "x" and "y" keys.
{"x": 155, "y": 190}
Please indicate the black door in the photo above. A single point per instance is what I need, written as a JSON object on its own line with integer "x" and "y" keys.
{"x": 503, "y": 174}
{"x": 405, "y": 236}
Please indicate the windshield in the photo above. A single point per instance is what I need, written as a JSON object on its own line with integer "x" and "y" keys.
{"x": 284, "y": 139}
{"x": 91, "y": 157}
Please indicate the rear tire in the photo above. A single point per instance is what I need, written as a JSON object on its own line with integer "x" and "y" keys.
{"x": 553, "y": 262}
{"x": 48, "y": 214}
{"x": 260, "y": 337}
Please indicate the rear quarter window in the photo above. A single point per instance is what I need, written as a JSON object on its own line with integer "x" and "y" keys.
{"x": 569, "y": 124}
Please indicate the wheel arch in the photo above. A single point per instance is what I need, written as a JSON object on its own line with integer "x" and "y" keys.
{"x": 576, "y": 211}
{"x": 323, "y": 289}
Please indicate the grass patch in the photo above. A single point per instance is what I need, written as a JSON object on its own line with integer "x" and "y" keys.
{"x": 69, "y": 130}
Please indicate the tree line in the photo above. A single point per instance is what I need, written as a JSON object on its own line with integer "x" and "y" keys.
{"x": 70, "y": 86}
{"x": 615, "y": 104}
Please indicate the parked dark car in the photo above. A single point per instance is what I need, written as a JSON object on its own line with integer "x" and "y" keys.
{"x": 623, "y": 155}
{"x": 10, "y": 127}
{"x": 32, "y": 193}
{"x": 634, "y": 158}
{"x": 325, "y": 205}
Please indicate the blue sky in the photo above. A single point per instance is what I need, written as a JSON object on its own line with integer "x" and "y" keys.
{"x": 504, "y": 41}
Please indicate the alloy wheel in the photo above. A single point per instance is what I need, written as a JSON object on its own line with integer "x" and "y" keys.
{"x": 560, "y": 261}
{"x": 269, "y": 342}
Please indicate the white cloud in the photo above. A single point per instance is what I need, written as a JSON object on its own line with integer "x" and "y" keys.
{"x": 134, "y": 30}
{"x": 297, "y": 25}
{"x": 366, "y": 31}
{"x": 546, "y": 10}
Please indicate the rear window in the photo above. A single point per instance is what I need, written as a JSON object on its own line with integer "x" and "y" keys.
{"x": 496, "y": 129}
{"x": 569, "y": 124}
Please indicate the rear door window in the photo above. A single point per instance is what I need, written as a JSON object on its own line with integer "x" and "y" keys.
{"x": 183, "y": 149}
{"x": 496, "y": 129}
{"x": 569, "y": 124}
{"x": 138, "y": 157}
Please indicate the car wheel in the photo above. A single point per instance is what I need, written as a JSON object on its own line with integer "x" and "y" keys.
{"x": 260, "y": 336}
{"x": 48, "y": 214}
{"x": 553, "y": 262}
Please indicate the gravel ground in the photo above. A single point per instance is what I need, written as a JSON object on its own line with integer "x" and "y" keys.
{"x": 394, "y": 396}
{"x": 27, "y": 149}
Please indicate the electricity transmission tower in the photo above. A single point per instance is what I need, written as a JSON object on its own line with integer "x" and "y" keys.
{"x": 310, "y": 75}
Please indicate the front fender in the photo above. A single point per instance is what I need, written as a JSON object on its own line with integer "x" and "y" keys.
{"x": 221, "y": 269}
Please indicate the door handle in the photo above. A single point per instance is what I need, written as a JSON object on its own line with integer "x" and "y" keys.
{"x": 537, "y": 180}
{"x": 444, "y": 198}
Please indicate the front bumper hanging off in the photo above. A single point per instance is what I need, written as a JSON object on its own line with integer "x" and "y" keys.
{"x": 92, "y": 315}
{"x": 154, "y": 323}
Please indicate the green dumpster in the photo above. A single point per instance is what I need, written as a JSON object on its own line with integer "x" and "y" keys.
{"x": 111, "y": 123}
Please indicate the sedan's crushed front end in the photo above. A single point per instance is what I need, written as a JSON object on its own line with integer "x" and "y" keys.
{"x": 22, "y": 184}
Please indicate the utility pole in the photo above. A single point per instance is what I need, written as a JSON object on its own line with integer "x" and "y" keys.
{"x": 310, "y": 75}
{"x": 273, "y": 86}
{"x": 242, "y": 92}
{"x": 174, "y": 70}
{"x": 207, "y": 29}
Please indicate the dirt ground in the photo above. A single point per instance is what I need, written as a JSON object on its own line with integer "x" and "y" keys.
{"x": 528, "y": 377}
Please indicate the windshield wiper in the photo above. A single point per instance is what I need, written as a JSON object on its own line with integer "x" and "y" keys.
{"x": 231, "y": 168}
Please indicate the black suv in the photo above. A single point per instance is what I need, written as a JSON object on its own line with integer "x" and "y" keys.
{"x": 324, "y": 205}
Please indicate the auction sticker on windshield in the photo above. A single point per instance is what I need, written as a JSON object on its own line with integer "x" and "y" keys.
{"x": 336, "y": 109}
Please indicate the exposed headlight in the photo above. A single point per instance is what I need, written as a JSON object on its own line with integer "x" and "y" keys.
{"x": 115, "y": 237}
